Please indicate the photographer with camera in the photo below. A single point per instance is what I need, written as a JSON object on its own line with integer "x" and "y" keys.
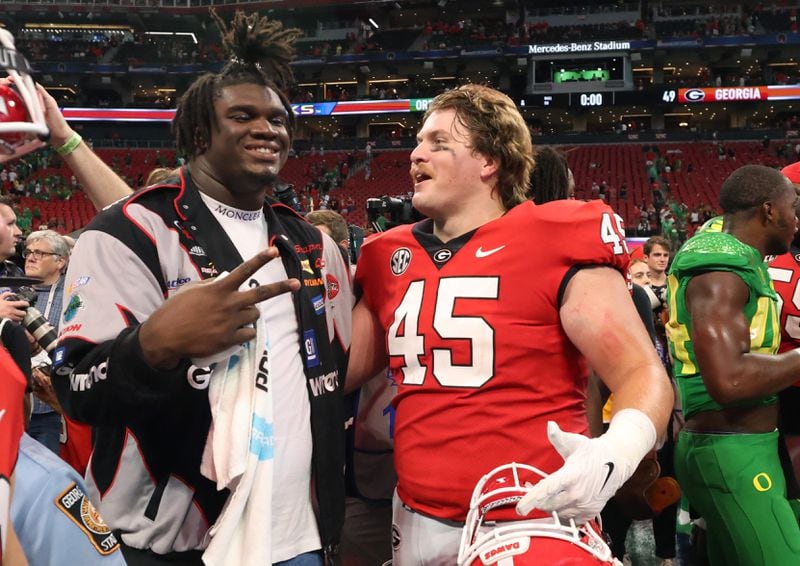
{"x": 12, "y": 306}
{"x": 46, "y": 256}
{"x": 10, "y": 309}
{"x": 13, "y": 384}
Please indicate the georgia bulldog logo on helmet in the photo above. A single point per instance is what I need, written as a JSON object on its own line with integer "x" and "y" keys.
{"x": 22, "y": 125}
{"x": 524, "y": 542}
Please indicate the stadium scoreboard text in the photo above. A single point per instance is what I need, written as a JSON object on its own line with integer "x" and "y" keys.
{"x": 732, "y": 94}
{"x": 652, "y": 97}
{"x": 598, "y": 99}
{"x": 575, "y": 100}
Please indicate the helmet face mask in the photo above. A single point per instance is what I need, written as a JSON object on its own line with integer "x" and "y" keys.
{"x": 525, "y": 542}
{"x": 22, "y": 124}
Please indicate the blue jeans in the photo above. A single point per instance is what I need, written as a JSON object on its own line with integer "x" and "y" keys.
{"x": 46, "y": 428}
{"x": 305, "y": 559}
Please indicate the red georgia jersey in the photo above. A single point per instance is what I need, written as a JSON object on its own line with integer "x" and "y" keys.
{"x": 476, "y": 346}
{"x": 12, "y": 388}
{"x": 785, "y": 273}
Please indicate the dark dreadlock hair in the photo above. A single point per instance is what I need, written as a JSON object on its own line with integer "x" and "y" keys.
{"x": 259, "y": 52}
{"x": 550, "y": 177}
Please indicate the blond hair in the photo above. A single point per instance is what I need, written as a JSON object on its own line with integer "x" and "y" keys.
{"x": 497, "y": 130}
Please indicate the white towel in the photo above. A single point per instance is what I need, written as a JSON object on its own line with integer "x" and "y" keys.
{"x": 238, "y": 456}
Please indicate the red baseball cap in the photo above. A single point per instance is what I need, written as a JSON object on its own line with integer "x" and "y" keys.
{"x": 637, "y": 252}
{"x": 792, "y": 172}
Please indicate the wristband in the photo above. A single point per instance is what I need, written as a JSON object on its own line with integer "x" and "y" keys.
{"x": 633, "y": 433}
{"x": 73, "y": 142}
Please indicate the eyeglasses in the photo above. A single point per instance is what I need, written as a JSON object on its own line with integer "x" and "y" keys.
{"x": 38, "y": 254}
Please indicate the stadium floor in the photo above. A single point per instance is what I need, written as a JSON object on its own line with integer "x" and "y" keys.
{"x": 641, "y": 546}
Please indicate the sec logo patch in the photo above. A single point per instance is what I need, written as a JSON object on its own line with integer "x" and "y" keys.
{"x": 400, "y": 260}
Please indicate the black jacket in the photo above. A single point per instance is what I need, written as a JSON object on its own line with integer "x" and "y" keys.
{"x": 152, "y": 425}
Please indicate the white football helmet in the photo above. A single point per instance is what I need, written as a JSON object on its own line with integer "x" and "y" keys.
{"x": 22, "y": 124}
{"x": 524, "y": 542}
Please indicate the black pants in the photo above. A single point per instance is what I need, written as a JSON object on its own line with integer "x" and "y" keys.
{"x": 137, "y": 557}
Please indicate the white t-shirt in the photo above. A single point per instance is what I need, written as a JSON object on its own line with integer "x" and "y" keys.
{"x": 294, "y": 525}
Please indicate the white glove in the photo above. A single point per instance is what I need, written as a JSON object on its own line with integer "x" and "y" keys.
{"x": 594, "y": 468}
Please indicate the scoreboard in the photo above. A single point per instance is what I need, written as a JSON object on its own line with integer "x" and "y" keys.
{"x": 573, "y": 100}
{"x": 732, "y": 94}
{"x": 652, "y": 97}
{"x": 597, "y": 99}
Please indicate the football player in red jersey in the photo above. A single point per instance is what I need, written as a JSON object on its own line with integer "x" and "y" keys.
{"x": 785, "y": 273}
{"x": 488, "y": 313}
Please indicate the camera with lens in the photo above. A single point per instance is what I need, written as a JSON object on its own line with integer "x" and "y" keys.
{"x": 379, "y": 206}
{"x": 287, "y": 196}
{"x": 399, "y": 210}
{"x": 34, "y": 321}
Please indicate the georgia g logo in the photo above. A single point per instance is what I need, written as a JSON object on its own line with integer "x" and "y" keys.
{"x": 695, "y": 94}
{"x": 401, "y": 258}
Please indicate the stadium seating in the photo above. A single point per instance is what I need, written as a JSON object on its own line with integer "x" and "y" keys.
{"x": 610, "y": 165}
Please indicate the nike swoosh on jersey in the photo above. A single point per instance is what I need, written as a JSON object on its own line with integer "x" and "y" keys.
{"x": 480, "y": 252}
{"x": 610, "y": 471}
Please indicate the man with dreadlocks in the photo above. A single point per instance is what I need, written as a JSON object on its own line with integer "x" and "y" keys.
{"x": 204, "y": 332}
{"x": 551, "y": 178}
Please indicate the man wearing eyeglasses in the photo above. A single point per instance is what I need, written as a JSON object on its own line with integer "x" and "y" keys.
{"x": 46, "y": 255}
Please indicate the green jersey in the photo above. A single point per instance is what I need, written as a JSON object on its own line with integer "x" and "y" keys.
{"x": 718, "y": 251}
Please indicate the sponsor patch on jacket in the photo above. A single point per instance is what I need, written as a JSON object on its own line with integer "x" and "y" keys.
{"x": 176, "y": 283}
{"x": 74, "y": 304}
{"x": 307, "y": 249}
{"x": 79, "y": 282}
{"x": 58, "y": 356}
{"x": 319, "y": 304}
{"x": 333, "y": 286}
{"x": 310, "y": 344}
{"x": 75, "y": 505}
{"x": 71, "y": 329}
{"x": 306, "y": 265}
{"x": 324, "y": 384}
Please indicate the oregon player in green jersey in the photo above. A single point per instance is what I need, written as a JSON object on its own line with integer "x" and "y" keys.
{"x": 723, "y": 333}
